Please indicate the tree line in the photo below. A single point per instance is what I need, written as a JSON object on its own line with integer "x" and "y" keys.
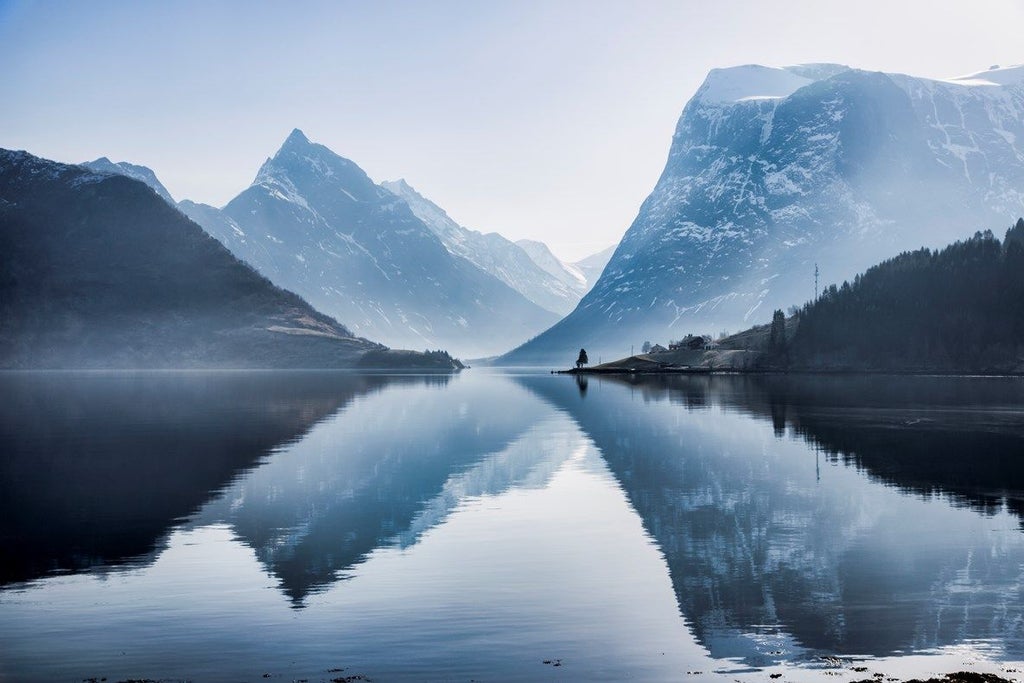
{"x": 960, "y": 308}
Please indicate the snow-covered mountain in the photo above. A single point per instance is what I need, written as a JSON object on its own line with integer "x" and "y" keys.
{"x": 496, "y": 255}
{"x": 313, "y": 222}
{"x": 569, "y": 275}
{"x": 592, "y": 266}
{"x": 772, "y": 170}
{"x": 142, "y": 173}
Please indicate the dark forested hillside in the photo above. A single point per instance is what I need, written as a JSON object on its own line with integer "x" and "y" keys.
{"x": 957, "y": 309}
{"x": 96, "y": 270}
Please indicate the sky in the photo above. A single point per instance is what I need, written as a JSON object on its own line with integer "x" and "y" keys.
{"x": 544, "y": 120}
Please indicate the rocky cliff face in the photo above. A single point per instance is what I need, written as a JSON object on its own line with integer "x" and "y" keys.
{"x": 772, "y": 171}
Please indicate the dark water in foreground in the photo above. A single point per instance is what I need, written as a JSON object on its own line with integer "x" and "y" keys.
{"x": 224, "y": 526}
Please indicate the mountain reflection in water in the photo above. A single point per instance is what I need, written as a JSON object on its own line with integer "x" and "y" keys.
{"x": 97, "y": 467}
{"x": 633, "y": 526}
{"x": 376, "y": 475}
{"x": 771, "y": 541}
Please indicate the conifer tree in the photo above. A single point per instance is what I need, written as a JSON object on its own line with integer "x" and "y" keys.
{"x": 778, "y": 333}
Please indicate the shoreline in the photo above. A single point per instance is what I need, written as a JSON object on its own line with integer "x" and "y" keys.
{"x": 337, "y": 675}
{"x": 740, "y": 371}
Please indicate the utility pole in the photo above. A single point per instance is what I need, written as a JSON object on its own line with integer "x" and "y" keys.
{"x": 815, "y": 281}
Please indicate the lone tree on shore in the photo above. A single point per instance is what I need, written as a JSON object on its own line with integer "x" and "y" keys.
{"x": 582, "y": 360}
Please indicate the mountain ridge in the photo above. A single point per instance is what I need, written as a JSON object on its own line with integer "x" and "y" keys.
{"x": 529, "y": 268}
{"x": 494, "y": 254}
{"x": 315, "y": 223}
{"x": 141, "y": 173}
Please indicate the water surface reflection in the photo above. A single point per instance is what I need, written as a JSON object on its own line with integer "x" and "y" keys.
{"x": 375, "y": 475}
{"x": 778, "y": 545}
{"x": 219, "y": 526}
{"x": 97, "y": 467}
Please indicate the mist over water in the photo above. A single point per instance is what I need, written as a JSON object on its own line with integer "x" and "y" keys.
{"x": 223, "y": 526}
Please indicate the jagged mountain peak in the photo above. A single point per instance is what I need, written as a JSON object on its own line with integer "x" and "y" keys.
{"x": 316, "y": 223}
{"x": 22, "y": 168}
{"x": 402, "y": 185}
{"x": 143, "y": 173}
{"x": 297, "y": 145}
{"x": 302, "y": 168}
{"x": 296, "y": 138}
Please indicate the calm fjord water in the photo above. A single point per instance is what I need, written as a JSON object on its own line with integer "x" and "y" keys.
{"x": 223, "y": 526}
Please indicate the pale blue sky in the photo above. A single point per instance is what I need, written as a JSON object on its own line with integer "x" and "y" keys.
{"x": 548, "y": 120}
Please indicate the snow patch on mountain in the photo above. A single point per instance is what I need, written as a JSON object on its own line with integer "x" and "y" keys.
{"x": 542, "y": 256}
{"x": 592, "y": 266}
{"x": 749, "y": 82}
{"x": 995, "y": 76}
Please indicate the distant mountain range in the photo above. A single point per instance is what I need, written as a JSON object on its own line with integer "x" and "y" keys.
{"x": 384, "y": 259}
{"x": 774, "y": 170}
{"x": 592, "y": 266}
{"x": 540, "y": 277}
{"x": 97, "y": 270}
{"x": 389, "y": 262}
